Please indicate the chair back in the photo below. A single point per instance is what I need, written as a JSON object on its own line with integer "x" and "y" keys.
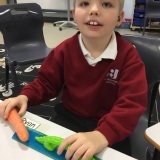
{"x": 21, "y": 23}
{"x": 153, "y": 7}
{"x": 149, "y": 51}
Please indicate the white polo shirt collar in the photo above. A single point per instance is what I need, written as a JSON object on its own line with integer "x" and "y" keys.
{"x": 109, "y": 53}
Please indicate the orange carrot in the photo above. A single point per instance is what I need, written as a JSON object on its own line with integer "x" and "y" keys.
{"x": 17, "y": 123}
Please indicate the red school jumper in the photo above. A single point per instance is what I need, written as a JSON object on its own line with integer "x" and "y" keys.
{"x": 114, "y": 92}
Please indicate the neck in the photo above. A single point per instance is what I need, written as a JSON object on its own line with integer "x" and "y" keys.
{"x": 96, "y": 46}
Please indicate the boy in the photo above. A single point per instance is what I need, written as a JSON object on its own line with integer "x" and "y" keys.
{"x": 102, "y": 79}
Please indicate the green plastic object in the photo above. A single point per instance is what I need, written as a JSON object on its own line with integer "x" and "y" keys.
{"x": 52, "y": 142}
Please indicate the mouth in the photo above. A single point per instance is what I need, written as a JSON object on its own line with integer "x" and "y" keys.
{"x": 93, "y": 23}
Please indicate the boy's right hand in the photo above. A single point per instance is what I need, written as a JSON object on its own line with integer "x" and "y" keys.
{"x": 18, "y": 102}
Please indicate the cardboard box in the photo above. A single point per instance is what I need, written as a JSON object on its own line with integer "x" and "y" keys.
{"x": 141, "y": 6}
{"x": 2, "y": 2}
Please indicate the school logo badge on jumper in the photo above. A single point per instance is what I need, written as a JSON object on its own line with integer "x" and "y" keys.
{"x": 112, "y": 76}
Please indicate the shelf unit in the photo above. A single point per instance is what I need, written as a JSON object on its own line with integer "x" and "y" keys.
{"x": 138, "y": 16}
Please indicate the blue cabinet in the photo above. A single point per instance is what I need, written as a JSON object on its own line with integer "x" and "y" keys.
{"x": 140, "y": 1}
{"x": 139, "y": 13}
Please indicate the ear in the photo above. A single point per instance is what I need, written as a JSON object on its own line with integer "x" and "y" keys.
{"x": 73, "y": 14}
{"x": 120, "y": 19}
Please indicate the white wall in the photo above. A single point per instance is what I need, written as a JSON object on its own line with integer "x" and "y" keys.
{"x": 128, "y": 8}
{"x": 62, "y": 4}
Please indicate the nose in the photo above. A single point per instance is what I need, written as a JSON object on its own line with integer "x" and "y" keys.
{"x": 94, "y": 10}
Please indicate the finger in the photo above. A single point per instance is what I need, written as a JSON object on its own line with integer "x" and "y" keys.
{"x": 8, "y": 108}
{"x": 73, "y": 148}
{"x": 88, "y": 154}
{"x": 22, "y": 110}
{"x": 80, "y": 151}
{"x": 2, "y": 109}
{"x": 67, "y": 141}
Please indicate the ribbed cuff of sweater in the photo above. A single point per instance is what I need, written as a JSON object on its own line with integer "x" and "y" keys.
{"x": 109, "y": 133}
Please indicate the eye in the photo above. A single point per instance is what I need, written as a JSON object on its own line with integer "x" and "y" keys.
{"x": 106, "y": 4}
{"x": 84, "y": 3}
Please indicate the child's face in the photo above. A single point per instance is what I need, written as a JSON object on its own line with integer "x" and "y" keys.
{"x": 97, "y": 18}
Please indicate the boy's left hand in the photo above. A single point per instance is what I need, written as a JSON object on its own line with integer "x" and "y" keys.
{"x": 83, "y": 145}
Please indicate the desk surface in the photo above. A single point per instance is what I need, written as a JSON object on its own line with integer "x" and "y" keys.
{"x": 152, "y": 134}
{"x": 13, "y": 150}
